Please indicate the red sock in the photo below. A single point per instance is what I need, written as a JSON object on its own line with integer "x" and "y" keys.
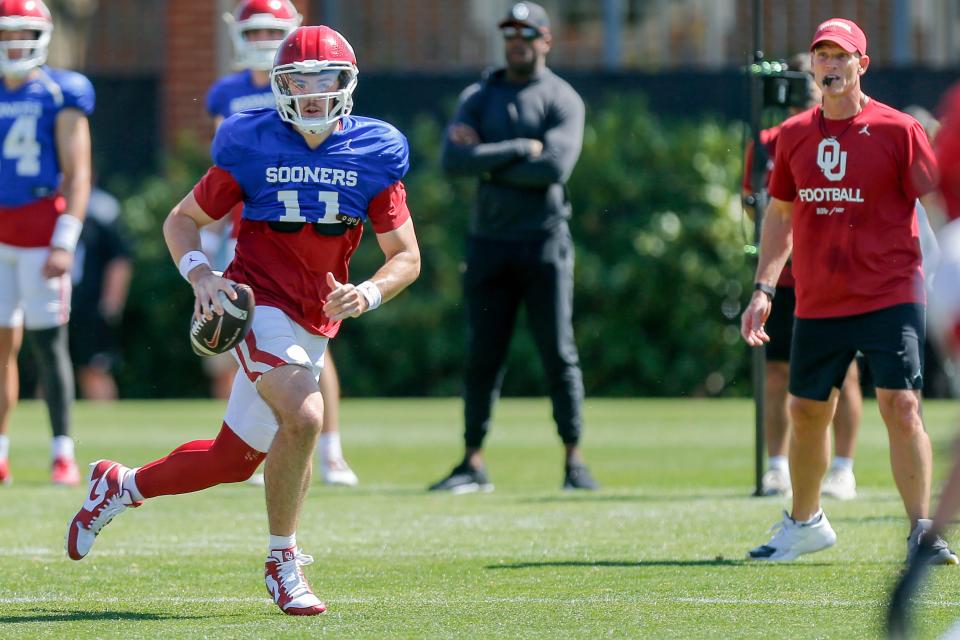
{"x": 198, "y": 465}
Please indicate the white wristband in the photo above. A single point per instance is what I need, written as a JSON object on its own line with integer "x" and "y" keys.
{"x": 372, "y": 293}
{"x": 66, "y": 232}
{"x": 190, "y": 261}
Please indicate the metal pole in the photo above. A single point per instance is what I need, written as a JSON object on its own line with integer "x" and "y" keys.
{"x": 757, "y": 172}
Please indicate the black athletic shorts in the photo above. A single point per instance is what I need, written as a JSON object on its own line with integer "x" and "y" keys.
{"x": 891, "y": 340}
{"x": 779, "y": 325}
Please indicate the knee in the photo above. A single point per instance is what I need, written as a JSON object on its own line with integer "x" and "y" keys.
{"x": 305, "y": 421}
{"x": 809, "y": 417}
{"x": 902, "y": 412}
{"x": 778, "y": 378}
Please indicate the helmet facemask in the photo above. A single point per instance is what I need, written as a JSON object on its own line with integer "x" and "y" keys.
{"x": 315, "y": 94}
{"x": 32, "y": 52}
{"x": 257, "y": 54}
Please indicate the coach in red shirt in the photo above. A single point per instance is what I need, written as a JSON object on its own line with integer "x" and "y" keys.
{"x": 844, "y": 187}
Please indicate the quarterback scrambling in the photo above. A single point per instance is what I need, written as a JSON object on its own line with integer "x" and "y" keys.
{"x": 257, "y": 27}
{"x": 299, "y": 229}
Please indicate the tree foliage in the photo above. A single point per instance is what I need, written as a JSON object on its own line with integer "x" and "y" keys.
{"x": 660, "y": 276}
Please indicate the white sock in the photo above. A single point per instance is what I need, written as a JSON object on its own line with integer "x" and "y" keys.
{"x": 839, "y": 462}
{"x": 329, "y": 446}
{"x": 779, "y": 462}
{"x": 815, "y": 517}
{"x": 62, "y": 447}
{"x": 4, "y": 446}
{"x": 283, "y": 542}
{"x": 130, "y": 485}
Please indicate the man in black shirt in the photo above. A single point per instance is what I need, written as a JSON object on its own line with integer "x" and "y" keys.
{"x": 102, "y": 271}
{"x": 520, "y": 131}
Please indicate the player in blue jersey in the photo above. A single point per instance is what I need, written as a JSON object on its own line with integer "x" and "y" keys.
{"x": 309, "y": 175}
{"x": 256, "y": 29}
{"x": 44, "y": 188}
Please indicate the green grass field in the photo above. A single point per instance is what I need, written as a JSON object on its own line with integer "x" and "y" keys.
{"x": 657, "y": 553}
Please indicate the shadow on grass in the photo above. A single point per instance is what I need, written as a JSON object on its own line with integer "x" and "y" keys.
{"x": 718, "y": 562}
{"x": 899, "y": 518}
{"x": 627, "y": 497}
{"x": 80, "y": 616}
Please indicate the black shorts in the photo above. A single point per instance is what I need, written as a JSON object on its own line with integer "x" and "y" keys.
{"x": 891, "y": 340}
{"x": 93, "y": 342}
{"x": 779, "y": 325}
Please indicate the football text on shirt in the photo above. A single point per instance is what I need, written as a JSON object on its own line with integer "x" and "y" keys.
{"x": 17, "y": 109}
{"x": 830, "y": 194}
{"x": 322, "y": 175}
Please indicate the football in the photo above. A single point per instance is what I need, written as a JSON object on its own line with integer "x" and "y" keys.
{"x": 222, "y": 333}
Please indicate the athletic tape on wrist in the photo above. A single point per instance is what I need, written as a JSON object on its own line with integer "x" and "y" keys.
{"x": 190, "y": 261}
{"x": 66, "y": 232}
{"x": 372, "y": 293}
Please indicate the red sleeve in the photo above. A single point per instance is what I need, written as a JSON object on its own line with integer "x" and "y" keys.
{"x": 781, "y": 184}
{"x": 948, "y": 156}
{"x": 217, "y": 193}
{"x": 921, "y": 176}
{"x": 388, "y": 209}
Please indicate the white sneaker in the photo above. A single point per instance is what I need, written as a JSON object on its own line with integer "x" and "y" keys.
{"x": 839, "y": 484}
{"x": 791, "y": 539}
{"x": 337, "y": 471}
{"x": 776, "y": 482}
{"x": 256, "y": 480}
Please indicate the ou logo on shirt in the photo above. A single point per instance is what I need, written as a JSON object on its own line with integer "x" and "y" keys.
{"x": 831, "y": 160}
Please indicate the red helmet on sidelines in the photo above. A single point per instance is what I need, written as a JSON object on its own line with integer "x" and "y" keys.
{"x": 255, "y": 15}
{"x": 313, "y": 78}
{"x": 24, "y": 15}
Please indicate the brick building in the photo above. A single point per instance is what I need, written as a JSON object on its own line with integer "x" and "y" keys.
{"x": 182, "y": 44}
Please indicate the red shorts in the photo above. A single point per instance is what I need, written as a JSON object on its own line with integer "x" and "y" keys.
{"x": 31, "y": 225}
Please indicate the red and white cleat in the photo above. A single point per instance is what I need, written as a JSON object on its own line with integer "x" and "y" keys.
{"x": 106, "y": 499}
{"x": 64, "y": 471}
{"x": 5, "y": 476}
{"x": 288, "y": 586}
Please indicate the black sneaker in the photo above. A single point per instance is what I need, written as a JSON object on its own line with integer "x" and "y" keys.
{"x": 934, "y": 548}
{"x": 577, "y": 476}
{"x": 464, "y": 479}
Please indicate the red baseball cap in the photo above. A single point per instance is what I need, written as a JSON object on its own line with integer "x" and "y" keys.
{"x": 844, "y": 33}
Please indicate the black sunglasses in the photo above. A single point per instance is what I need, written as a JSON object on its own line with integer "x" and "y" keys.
{"x": 527, "y": 33}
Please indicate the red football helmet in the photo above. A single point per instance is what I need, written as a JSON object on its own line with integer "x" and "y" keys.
{"x": 24, "y": 15}
{"x": 313, "y": 78}
{"x": 252, "y": 15}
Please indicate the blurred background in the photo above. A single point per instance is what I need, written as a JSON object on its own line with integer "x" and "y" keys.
{"x": 663, "y": 262}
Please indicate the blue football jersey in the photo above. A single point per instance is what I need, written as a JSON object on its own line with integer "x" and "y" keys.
{"x": 235, "y": 93}
{"x": 29, "y": 166}
{"x": 283, "y": 180}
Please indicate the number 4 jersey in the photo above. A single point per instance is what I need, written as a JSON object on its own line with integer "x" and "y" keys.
{"x": 29, "y": 165}
{"x": 304, "y": 208}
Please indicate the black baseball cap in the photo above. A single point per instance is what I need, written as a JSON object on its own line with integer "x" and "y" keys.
{"x": 528, "y": 14}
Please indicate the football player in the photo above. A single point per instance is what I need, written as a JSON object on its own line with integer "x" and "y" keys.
{"x": 257, "y": 27}
{"x": 44, "y": 188}
{"x": 309, "y": 175}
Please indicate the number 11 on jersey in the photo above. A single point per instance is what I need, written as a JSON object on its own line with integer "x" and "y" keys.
{"x": 291, "y": 204}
